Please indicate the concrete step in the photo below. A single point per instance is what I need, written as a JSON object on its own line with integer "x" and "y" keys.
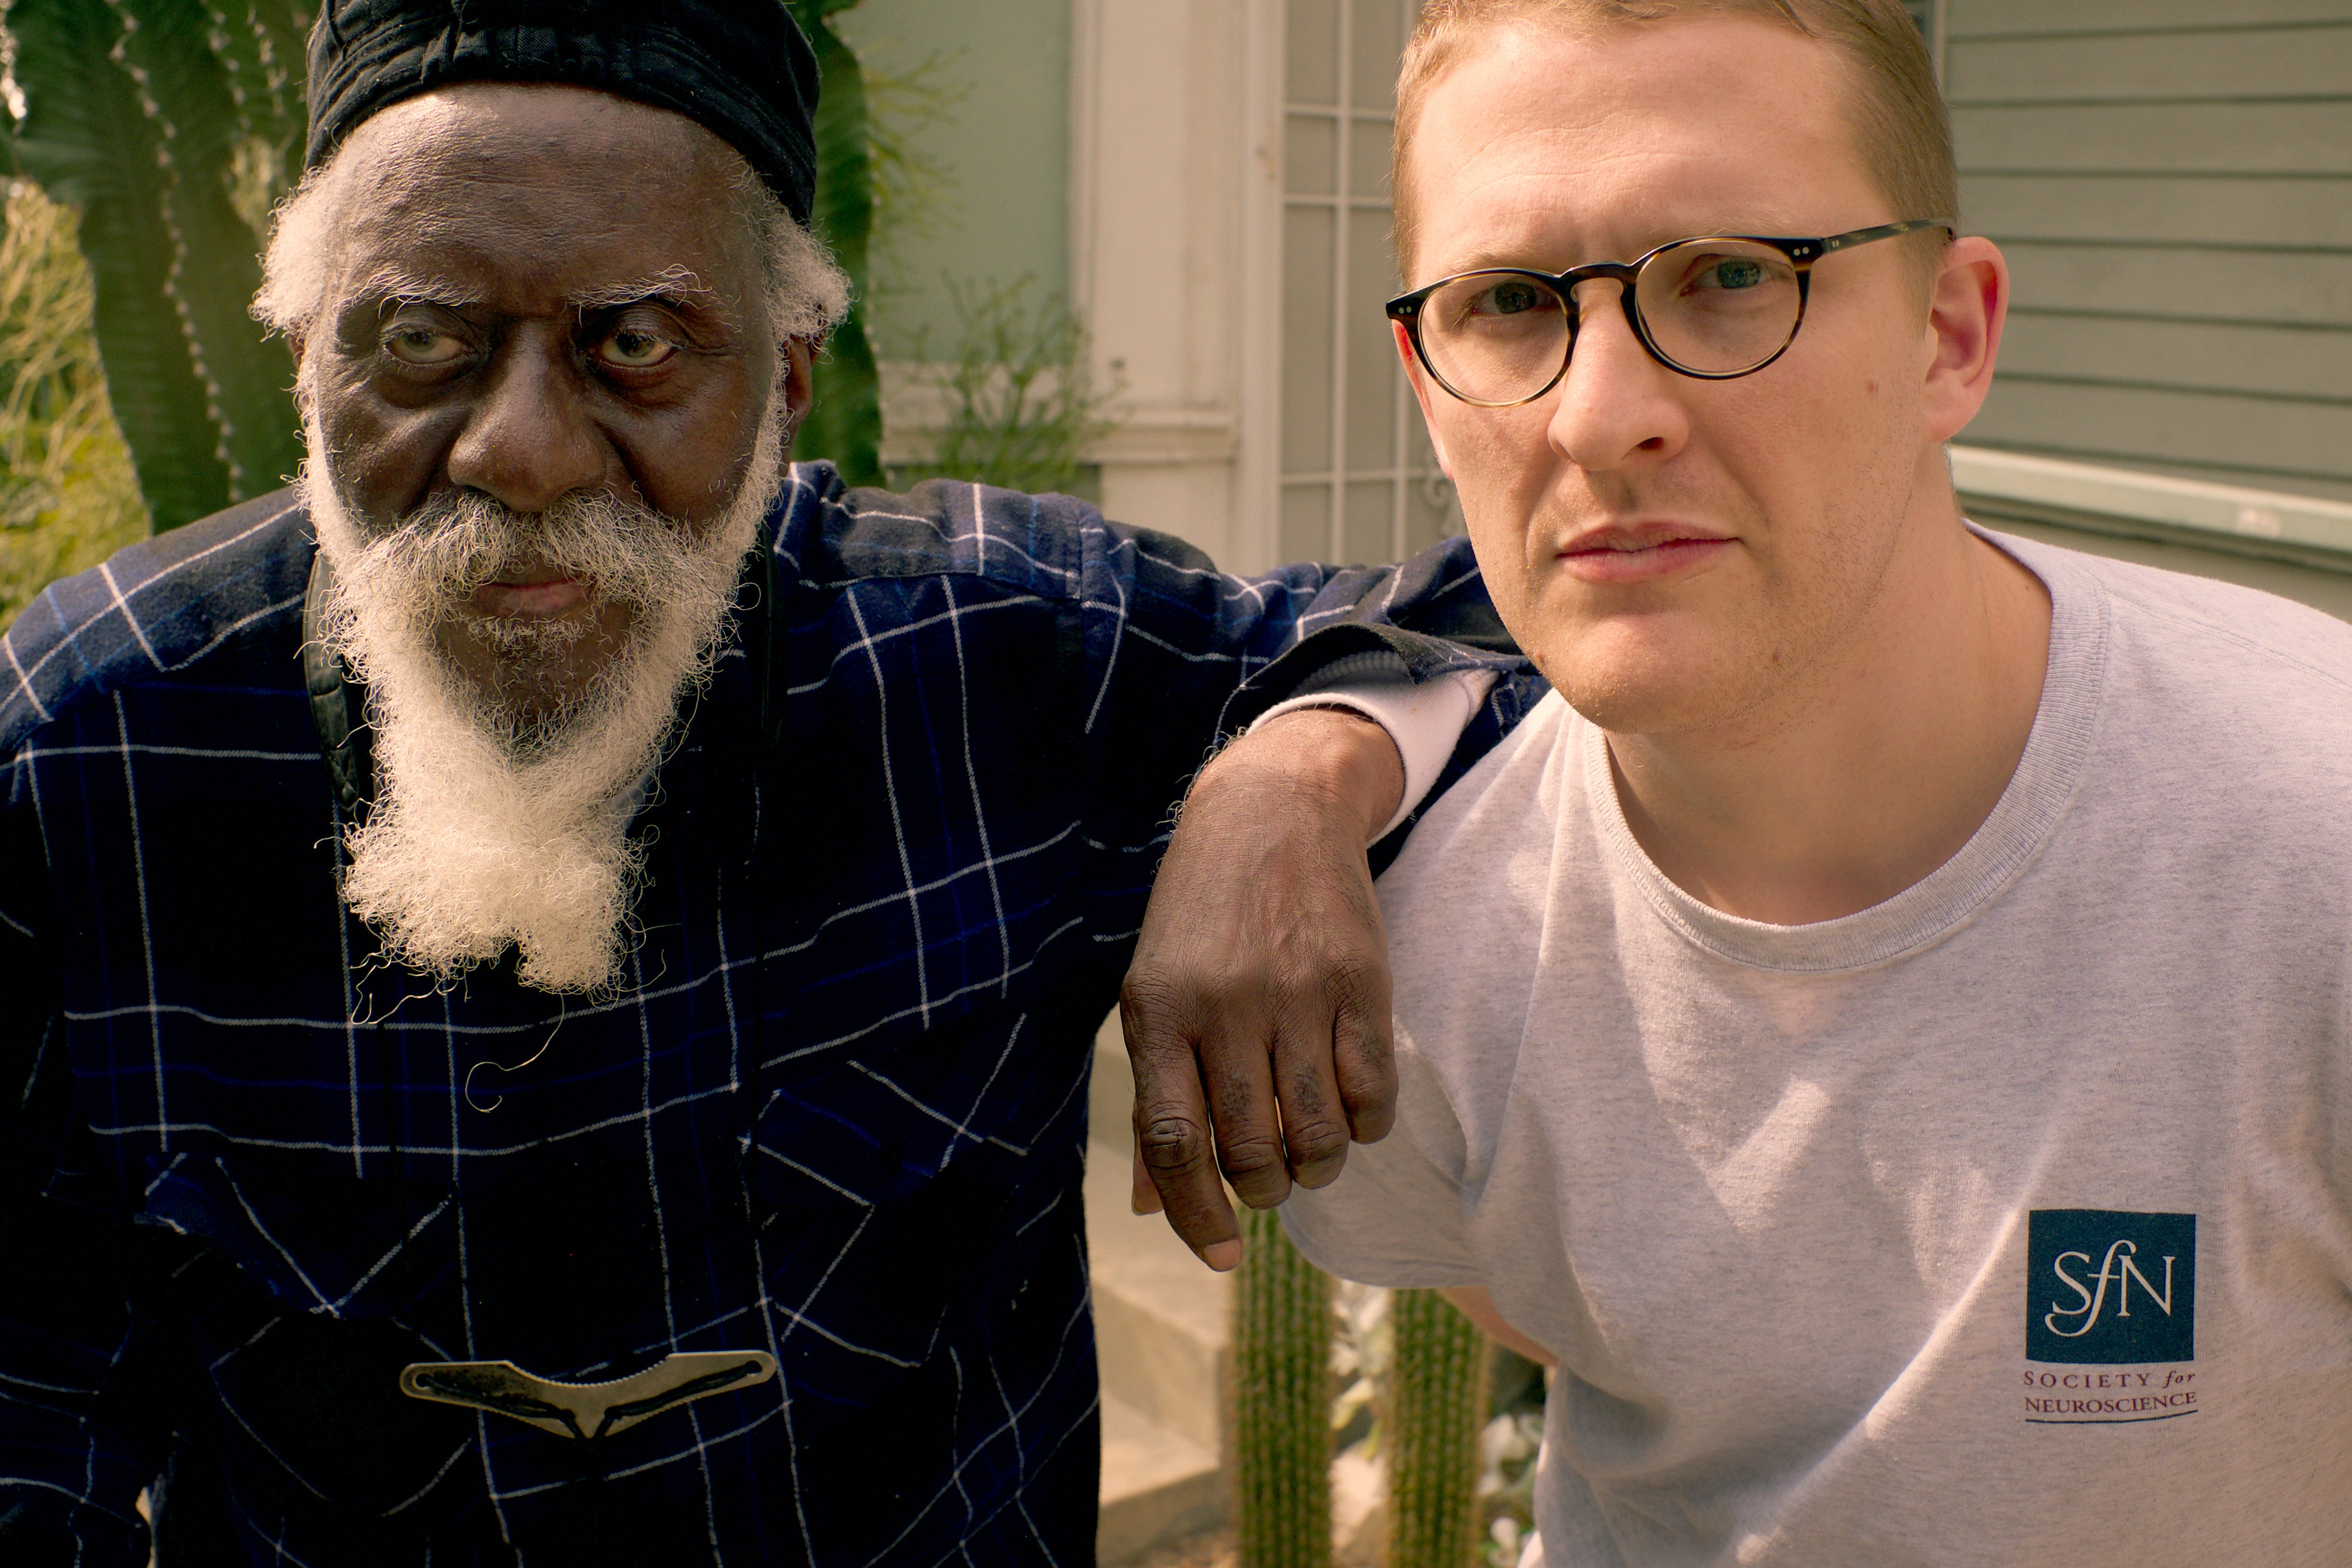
{"x": 1157, "y": 1484}
{"x": 1161, "y": 1318}
{"x": 1111, "y": 1093}
{"x": 1161, "y": 1323}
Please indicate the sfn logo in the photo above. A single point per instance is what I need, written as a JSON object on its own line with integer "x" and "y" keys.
{"x": 2110, "y": 1288}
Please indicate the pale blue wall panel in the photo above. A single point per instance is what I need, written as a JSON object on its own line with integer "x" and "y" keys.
{"x": 1006, "y": 150}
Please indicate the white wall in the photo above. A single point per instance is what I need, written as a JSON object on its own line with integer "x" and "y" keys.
{"x": 1171, "y": 132}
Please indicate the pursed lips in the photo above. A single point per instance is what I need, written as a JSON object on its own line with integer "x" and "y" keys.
{"x": 1616, "y": 553}
{"x": 530, "y": 596}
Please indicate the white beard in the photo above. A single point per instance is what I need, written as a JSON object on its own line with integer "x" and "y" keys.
{"x": 486, "y": 833}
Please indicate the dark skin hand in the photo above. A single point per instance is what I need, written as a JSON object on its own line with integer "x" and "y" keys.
{"x": 1258, "y": 1000}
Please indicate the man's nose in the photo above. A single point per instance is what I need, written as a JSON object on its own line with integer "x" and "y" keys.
{"x": 1616, "y": 406}
{"x": 530, "y": 441}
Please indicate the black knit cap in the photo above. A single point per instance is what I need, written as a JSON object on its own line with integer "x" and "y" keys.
{"x": 739, "y": 67}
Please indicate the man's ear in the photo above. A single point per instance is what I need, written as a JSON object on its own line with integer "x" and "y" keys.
{"x": 800, "y": 385}
{"x": 1421, "y": 393}
{"x": 1965, "y": 317}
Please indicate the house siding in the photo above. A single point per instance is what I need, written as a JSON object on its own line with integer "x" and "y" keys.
{"x": 2171, "y": 181}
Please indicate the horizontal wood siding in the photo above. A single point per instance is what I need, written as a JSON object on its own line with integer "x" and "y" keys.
{"x": 2171, "y": 181}
{"x": 2156, "y": 138}
{"x": 2060, "y": 18}
{"x": 2163, "y": 208}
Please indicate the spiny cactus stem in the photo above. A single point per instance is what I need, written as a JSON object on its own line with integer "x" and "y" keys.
{"x": 1437, "y": 1409}
{"x": 1282, "y": 1362}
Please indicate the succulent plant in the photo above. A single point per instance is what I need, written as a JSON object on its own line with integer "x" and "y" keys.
{"x": 1283, "y": 1326}
{"x": 1435, "y": 1410}
{"x": 144, "y": 114}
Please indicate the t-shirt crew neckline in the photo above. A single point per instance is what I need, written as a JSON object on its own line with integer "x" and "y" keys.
{"x": 2022, "y": 820}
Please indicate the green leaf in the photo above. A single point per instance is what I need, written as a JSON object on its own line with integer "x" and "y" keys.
{"x": 88, "y": 140}
{"x": 217, "y": 267}
{"x": 846, "y": 424}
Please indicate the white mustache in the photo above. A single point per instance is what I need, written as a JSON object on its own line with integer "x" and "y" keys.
{"x": 458, "y": 542}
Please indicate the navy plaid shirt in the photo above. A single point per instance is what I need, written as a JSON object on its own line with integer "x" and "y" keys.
{"x": 897, "y": 865}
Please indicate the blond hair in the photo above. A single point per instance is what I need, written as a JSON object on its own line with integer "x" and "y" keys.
{"x": 1897, "y": 111}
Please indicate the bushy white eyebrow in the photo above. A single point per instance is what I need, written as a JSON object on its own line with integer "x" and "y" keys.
{"x": 398, "y": 283}
{"x": 675, "y": 282}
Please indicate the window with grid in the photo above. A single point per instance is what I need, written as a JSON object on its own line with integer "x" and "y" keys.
{"x": 1360, "y": 482}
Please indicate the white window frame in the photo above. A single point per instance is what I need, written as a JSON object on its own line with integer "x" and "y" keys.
{"x": 1262, "y": 477}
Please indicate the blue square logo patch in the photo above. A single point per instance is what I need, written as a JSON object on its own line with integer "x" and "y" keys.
{"x": 2108, "y": 1288}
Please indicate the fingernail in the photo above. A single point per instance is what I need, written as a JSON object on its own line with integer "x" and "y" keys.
{"x": 1222, "y": 1255}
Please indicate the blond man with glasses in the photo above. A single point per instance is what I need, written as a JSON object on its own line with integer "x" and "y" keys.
{"x": 1879, "y": 1028}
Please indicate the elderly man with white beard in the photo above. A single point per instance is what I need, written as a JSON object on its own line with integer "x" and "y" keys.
{"x": 628, "y": 1103}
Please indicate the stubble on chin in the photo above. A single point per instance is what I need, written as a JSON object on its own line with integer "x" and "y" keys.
{"x": 1730, "y": 648}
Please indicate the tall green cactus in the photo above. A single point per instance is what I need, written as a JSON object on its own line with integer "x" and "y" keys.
{"x": 1437, "y": 1409}
{"x": 264, "y": 47}
{"x": 1282, "y": 1364}
{"x": 135, "y": 110}
{"x": 846, "y": 424}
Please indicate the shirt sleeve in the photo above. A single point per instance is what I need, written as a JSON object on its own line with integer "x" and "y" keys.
{"x": 1425, "y": 722}
{"x": 1156, "y": 600}
{"x": 1395, "y": 1216}
{"x": 67, "y": 1479}
{"x": 1178, "y": 655}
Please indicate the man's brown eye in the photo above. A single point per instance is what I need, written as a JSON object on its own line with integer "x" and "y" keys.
{"x": 422, "y": 345}
{"x": 633, "y": 348}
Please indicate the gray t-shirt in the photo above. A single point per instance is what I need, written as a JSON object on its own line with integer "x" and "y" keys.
{"x": 2007, "y": 1222}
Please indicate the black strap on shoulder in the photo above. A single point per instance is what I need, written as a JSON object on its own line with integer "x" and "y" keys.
{"x": 338, "y": 704}
{"x": 761, "y": 642}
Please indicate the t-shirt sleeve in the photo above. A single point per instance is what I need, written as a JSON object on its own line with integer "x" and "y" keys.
{"x": 1425, "y": 720}
{"x": 1394, "y": 1218}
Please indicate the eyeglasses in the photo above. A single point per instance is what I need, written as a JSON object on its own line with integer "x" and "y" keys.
{"x": 1715, "y": 307}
